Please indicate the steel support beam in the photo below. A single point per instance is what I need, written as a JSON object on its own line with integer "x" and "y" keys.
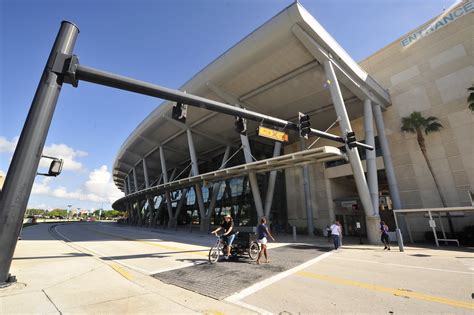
{"x": 197, "y": 187}
{"x": 307, "y": 194}
{"x": 352, "y": 153}
{"x": 271, "y": 182}
{"x": 129, "y": 185}
{"x": 370, "y": 160}
{"x": 252, "y": 176}
{"x": 387, "y": 158}
{"x": 165, "y": 180}
{"x": 135, "y": 181}
{"x": 145, "y": 173}
{"x": 217, "y": 186}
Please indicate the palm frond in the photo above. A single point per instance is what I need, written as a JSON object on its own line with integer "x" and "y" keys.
{"x": 470, "y": 98}
{"x": 433, "y": 127}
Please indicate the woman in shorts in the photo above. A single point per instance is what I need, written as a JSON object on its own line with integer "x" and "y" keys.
{"x": 262, "y": 234}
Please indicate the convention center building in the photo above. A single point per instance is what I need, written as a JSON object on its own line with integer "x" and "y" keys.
{"x": 408, "y": 100}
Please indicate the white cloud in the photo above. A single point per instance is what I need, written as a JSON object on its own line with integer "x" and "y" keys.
{"x": 98, "y": 188}
{"x": 42, "y": 206}
{"x": 62, "y": 151}
{"x": 8, "y": 145}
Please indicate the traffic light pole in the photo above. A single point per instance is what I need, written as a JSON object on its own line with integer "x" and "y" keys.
{"x": 22, "y": 171}
{"x": 79, "y": 72}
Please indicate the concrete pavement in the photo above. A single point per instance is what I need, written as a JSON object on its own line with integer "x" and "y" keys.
{"x": 106, "y": 268}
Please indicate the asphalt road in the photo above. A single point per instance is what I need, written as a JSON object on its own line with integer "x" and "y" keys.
{"x": 354, "y": 279}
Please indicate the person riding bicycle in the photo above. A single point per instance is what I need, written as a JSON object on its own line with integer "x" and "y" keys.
{"x": 229, "y": 233}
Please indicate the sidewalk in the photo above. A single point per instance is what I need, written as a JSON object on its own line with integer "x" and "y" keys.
{"x": 54, "y": 277}
{"x": 61, "y": 277}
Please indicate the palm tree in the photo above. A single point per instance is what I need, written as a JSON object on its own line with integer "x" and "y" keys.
{"x": 470, "y": 98}
{"x": 416, "y": 123}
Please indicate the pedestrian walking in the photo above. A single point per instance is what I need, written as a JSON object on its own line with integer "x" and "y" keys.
{"x": 335, "y": 233}
{"x": 384, "y": 235}
{"x": 262, "y": 233}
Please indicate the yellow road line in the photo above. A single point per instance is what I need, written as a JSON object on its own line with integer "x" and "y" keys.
{"x": 149, "y": 243}
{"x": 124, "y": 274}
{"x": 397, "y": 292}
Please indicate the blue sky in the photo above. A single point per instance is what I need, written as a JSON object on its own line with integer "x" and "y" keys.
{"x": 163, "y": 42}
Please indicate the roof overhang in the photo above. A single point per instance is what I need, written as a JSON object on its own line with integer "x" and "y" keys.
{"x": 276, "y": 70}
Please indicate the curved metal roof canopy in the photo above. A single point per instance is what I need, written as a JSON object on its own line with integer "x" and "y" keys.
{"x": 276, "y": 70}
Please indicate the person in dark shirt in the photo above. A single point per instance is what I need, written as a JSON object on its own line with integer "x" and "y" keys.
{"x": 384, "y": 237}
{"x": 229, "y": 233}
{"x": 262, "y": 233}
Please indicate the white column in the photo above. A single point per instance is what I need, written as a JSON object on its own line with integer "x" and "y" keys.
{"x": 370, "y": 157}
{"x": 164, "y": 172}
{"x": 217, "y": 186}
{"x": 271, "y": 182}
{"x": 197, "y": 187}
{"x": 129, "y": 184}
{"x": 135, "y": 182}
{"x": 352, "y": 153}
{"x": 145, "y": 173}
{"x": 125, "y": 188}
{"x": 252, "y": 176}
{"x": 387, "y": 159}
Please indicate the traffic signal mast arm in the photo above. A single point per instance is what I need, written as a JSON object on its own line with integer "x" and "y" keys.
{"x": 74, "y": 72}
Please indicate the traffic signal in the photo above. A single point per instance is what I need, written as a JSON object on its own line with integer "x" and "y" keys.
{"x": 241, "y": 125}
{"x": 304, "y": 124}
{"x": 351, "y": 139}
{"x": 179, "y": 112}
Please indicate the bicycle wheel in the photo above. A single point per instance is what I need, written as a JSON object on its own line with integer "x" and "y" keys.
{"x": 253, "y": 250}
{"x": 214, "y": 254}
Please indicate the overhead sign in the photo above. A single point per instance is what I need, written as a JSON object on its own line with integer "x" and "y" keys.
{"x": 272, "y": 134}
{"x": 439, "y": 23}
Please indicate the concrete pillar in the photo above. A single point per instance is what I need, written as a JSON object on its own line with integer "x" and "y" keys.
{"x": 164, "y": 172}
{"x": 145, "y": 173}
{"x": 387, "y": 159}
{"x": 307, "y": 195}
{"x": 370, "y": 157}
{"x": 271, "y": 182}
{"x": 352, "y": 154}
{"x": 252, "y": 176}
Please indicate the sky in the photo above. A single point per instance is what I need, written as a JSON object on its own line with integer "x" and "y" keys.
{"x": 162, "y": 42}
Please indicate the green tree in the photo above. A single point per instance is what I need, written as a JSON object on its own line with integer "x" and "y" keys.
{"x": 416, "y": 123}
{"x": 34, "y": 212}
{"x": 58, "y": 213}
{"x": 470, "y": 98}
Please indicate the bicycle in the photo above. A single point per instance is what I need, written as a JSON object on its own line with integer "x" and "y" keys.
{"x": 239, "y": 247}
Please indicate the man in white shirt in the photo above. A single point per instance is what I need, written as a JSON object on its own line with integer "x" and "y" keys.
{"x": 336, "y": 233}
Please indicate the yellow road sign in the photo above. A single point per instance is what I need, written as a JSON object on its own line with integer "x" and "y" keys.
{"x": 272, "y": 134}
